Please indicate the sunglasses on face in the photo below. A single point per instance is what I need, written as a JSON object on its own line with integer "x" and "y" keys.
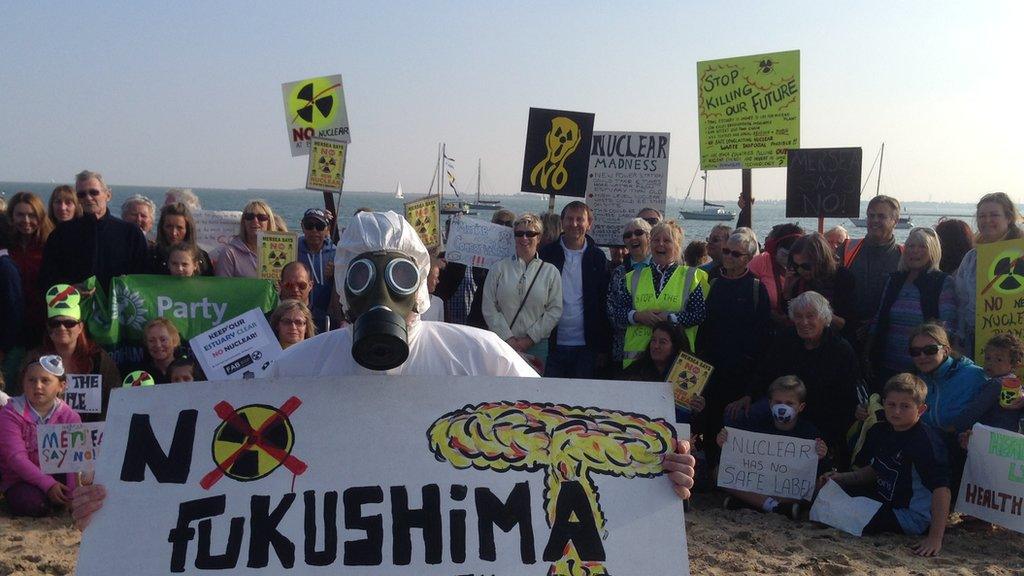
{"x": 300, "y": 286}
{"x": 929, "y": 350}
{"x": 300, "y": 322}
{"x": 735, "y": 253}
{"x": 651, "y": 221}
{"x": 90, "y": 192}
{"x": 67, "y": 324}
{"x": 250, "y": 216}
{"x": 634, "y": 234}
{"x": 507, "y": 223}
{"x": 526, "y": 233}
{"x": 318, "y": 226}
{"x": 805, "y": 266}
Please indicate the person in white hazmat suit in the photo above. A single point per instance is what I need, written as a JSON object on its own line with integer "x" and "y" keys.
{"x": 381, "y": 268}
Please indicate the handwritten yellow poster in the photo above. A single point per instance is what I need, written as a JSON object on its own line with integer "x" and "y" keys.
{"x": 1000, "y": 295}
{"x": 688, "y": 376}
{"x": 748, "y": 110}
{"x": 326, "y": 170}
{"x": 425, "y": 217}
{"x": 275, "y": 250}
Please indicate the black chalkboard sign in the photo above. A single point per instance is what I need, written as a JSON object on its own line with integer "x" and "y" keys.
{"x": 823, "y": 182}
{"x": 557, "y": 157}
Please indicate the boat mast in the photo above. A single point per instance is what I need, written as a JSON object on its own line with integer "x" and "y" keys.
{"x": 881, "y": 157}
{"x": 478, "y": 179}
{"x": 705, "y": 179}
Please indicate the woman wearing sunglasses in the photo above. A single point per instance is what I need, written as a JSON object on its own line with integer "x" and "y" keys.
{"x": 292, "y": 323}
{"x": 522, "y": 298}
{"x": 175, "y": 227}
{"x": 813, "y": 266}
{"x": 917, "y": 292}
{"x": 666, "y": 289}
{"x": 239, "y": 258}
{"x": 739, "y": 317}
{"x": 66, "y": 337}
{"x": 636, "y": 237}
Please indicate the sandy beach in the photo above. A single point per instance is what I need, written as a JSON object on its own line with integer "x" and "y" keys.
{"x": 734, "y": 543}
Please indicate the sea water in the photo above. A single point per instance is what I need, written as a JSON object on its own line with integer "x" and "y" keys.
{"x": 291, "y": 204}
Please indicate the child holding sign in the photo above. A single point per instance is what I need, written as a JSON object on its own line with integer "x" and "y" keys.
{"x": 29, "y": 491}
{"x": 788, "y": 395}
{"x": 903, "y": 465}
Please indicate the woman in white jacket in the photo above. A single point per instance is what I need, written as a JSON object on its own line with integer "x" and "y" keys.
{"x": 523, "y": 294}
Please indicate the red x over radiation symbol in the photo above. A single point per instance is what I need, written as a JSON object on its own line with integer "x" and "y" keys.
{"x": 252, "y": 442}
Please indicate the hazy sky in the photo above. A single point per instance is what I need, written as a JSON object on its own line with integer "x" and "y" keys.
{"x": 188, "y": 93}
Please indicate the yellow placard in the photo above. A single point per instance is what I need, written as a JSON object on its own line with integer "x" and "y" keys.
{"x": 275, "y": 250}
{"x": 425, "y": 217}
{"x": 326, "y": 170}
{"x": 1000, "y": 292}
{"x": 748, "y": 110}
{"x": 688, "y": 376}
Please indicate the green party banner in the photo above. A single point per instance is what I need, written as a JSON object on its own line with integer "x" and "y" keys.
{"x": 748, "y": 110}
{"x": 194, "y": 305}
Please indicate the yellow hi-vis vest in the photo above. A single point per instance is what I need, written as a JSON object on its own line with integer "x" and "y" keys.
{"x": 672, "y": 299}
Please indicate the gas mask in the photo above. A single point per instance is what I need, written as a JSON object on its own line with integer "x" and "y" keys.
{"x": 783, "y": 413}
{"x": 380, "y": 288}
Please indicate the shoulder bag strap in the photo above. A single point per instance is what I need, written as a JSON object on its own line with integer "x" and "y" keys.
{"x": 523, "y": 303}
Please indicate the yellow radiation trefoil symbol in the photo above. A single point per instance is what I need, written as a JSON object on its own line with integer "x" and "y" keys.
{"x": 561, "y": 141}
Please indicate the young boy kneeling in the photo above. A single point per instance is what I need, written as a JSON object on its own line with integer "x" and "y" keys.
{"x": 787, "y": 395}
{"x": 905, "y": 460}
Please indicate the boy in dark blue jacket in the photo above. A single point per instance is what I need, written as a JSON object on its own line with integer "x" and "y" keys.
{"x": 903, "y": 464}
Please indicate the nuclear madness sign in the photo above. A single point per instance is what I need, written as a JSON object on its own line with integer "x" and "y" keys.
{"x": 315, "y": 108}
{"x": 328, "y": 475}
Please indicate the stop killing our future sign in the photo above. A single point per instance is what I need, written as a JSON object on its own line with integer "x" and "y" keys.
{"x": 303, "y": 471}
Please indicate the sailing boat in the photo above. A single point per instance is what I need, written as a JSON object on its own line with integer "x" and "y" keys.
{"x": 709, "y": 210}
{"x": 451, "y": 207}
{"x": 904, "y": 223}
{"x": 483, "y": 204}
{"x": 399, "y": 195}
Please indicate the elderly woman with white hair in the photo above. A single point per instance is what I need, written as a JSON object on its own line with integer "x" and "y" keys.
{"x": 140, "y": 211}
{"x": 739, "y": 318}
{"x": 916, "y": 293}
{"x": 636, "y": 237}
{"x": 826, "y": 363}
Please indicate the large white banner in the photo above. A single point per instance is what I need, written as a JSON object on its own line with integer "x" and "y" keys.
{"x": 394, "y": 475}
{"x": 628, "y": 172}
{"x": 768, "y": 464}
{"x": 477, "y": 243}
{"x": 241, "y": 348}
{"x": 993, "y": 483}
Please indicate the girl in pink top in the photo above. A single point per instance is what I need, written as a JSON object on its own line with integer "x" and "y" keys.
{"x": 29, "y": 491}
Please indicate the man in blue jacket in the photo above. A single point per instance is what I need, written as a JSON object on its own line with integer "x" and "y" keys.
{"x": 578, "y": 346}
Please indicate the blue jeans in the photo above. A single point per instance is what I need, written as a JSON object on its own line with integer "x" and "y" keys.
{"x": 570, "y": 362}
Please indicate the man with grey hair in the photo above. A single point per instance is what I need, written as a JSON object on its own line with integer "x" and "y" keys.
{"x": 139, "y": 210}
{"x": 97, "y": 244}
{"x": 184, "y": 195}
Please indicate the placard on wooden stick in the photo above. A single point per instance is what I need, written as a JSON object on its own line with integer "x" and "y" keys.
{"x": 326, "y": 171}
{"x": 557, "y": 155}
{"x": 823, "y": 183}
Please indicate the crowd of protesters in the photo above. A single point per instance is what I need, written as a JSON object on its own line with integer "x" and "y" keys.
{"x": 835, "y": 332}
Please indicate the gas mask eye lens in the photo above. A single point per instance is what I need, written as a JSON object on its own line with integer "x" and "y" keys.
{"x": 402, "y": 277}
{"x": 360, "y": 276}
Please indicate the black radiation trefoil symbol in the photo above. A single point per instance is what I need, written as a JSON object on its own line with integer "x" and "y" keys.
{"x": 253, "y": 441}
{"x": 323, "y": 103}
{"x": 1008, "y": 275}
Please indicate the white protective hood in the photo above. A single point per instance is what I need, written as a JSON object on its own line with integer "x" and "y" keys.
{"x": 376, "y": 231}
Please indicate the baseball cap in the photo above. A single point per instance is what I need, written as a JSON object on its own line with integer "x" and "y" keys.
{"x": 317, "y": 214}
